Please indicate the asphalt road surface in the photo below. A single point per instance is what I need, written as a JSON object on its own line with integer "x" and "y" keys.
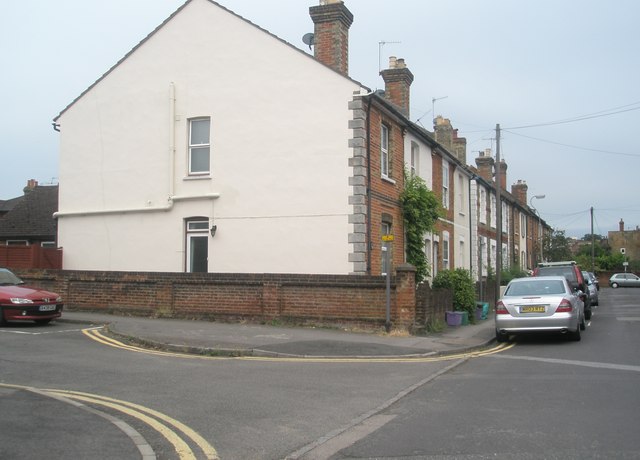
{"x": 64, "y": 394}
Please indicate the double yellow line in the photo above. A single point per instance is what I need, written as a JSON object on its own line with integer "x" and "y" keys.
{"x": 163, "y": 424}
{"x": 98, "y": 336}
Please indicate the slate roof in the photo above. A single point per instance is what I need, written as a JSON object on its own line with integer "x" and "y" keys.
{"x": 8, "y": 205}
{"x": 31, "y": 217}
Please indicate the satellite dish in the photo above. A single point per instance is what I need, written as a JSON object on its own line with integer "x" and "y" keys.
{"x": 307, "y": 39}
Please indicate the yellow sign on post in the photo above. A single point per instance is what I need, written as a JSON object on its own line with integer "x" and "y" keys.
{"x": 387, "y": 237}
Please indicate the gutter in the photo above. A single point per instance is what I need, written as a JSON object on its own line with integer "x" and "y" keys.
{"x": 170, "y": 203}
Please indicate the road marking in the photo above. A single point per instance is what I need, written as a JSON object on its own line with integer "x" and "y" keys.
{"x": 98, "y": 336}
{"x": 9, "y": 331}
{"x": 618, "y": 367}
{"x": 202, "y": 443}
{"x": 139, "y": 412}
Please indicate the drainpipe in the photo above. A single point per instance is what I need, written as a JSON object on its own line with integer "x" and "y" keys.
{"x": 172, "y": 137}
{"x": 471, "y": 227}
{"x": 369, "y": 187}
{"x": 164, "y": 208}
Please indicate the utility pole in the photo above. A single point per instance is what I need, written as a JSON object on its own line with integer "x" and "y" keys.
{"x": 498, "y": 216}
{"x": 593, "y": 264}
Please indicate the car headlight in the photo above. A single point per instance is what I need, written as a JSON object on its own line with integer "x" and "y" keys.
{"x": 20, "y": 300}
{"x": 59, "y": 300}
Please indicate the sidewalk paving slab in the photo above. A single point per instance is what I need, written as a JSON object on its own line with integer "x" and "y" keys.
{"x": 209, "y": 337}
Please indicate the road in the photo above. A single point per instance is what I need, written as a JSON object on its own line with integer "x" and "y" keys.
{"x": 64, "y": 395}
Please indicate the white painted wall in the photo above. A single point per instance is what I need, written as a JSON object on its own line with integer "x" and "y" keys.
{"x": 279, "y": 154}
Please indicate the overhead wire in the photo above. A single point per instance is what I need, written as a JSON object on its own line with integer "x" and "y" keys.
{"x": 601, "y": 113}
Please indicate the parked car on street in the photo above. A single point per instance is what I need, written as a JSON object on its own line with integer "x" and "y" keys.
{"x": 19, "y": 302}
{"x": 539, "y": 304}
{"x": 624, "y": 280}
{"x": 570, "y": 270}
{"x": 595, "y": 280}
{"x": 593, "y": 288}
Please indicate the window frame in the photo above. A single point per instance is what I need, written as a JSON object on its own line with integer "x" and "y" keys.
{"x": 193, "y": 146}
{"x": 195, "y": 228}
{"x": 445, "y": 184}
{"x": 385, "y": 163}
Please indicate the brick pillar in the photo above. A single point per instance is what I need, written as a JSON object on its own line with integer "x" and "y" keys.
{"x": 404, "y": 308}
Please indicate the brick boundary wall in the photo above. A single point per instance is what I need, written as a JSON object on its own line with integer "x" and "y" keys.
{"x": 336, "y": 300}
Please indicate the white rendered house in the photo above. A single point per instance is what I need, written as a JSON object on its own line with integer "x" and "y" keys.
{"x": 212, "y": 146}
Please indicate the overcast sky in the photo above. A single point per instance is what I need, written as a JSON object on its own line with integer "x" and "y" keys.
{"x": 561, "y": 77}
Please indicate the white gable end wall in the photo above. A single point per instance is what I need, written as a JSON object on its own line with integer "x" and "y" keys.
{"x": 278, "y": 189}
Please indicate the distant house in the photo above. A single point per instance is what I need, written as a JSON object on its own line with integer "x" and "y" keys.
{"x": 625, "y": 241}
{"x": 28, "y": 230}
{"x": 28, "y": 219}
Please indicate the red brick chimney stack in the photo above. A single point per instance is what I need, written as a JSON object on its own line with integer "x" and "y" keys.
{"x": 332, "y": 20}
{"x": 485, "y": 163}
{"x": 31, "y": 185}
{"x": 621, "y": 225}
{"x": 503, "y": 175}
{"x": 447, "y": 136}
{"x": 519, "y": 190}
{"x": 397, "y": 83}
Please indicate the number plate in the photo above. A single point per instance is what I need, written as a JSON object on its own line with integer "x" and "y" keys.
{"x": 47, "y": 307}
{"x": 533, "y": 309}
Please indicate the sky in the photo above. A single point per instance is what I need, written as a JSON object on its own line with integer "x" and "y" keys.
{"x": 561, "y": 78}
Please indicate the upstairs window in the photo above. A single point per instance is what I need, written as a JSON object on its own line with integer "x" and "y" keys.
{"x": 445, "y": 184}
{"x": 415, "y": 154}
{"x": 199, "y": 146}
{"x": 445, "y": 251}
{"x": 384, "y": 151}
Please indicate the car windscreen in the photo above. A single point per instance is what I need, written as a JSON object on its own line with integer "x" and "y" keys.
{"x": 7, "y": 278}
{"x": 536, "y": 287}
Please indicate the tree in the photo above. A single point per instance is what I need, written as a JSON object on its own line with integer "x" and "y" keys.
{"x": 587, "y": 237}
{"x": 556, "y": 246}
{"x": 421, "y": 209}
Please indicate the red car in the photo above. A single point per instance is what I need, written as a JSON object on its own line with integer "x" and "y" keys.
{"x": 19, "y": 302}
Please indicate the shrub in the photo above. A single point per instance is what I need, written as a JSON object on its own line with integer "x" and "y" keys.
{"x": 459, "y": 281}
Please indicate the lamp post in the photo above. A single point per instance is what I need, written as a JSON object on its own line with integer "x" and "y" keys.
{"x": 538, "y": 197}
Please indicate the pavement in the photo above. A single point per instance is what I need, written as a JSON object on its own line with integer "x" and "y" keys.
{"x": 251, "y": 339}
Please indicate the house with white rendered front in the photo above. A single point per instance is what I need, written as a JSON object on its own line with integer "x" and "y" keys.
{"x": 213, "y": 146}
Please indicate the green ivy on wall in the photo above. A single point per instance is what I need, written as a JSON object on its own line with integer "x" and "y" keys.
{"x": 421, "y": 209}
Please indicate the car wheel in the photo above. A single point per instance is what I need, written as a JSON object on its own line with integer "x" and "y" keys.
{"x": 575, "y": 335}
{"x": 614, "y": 285}
{"x": 43, "y": 321}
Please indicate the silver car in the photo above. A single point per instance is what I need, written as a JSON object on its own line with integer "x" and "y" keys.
{"x": 624, "y": 280}
{"x": 590, "y": 278}
{"x": 539, "y": 304}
